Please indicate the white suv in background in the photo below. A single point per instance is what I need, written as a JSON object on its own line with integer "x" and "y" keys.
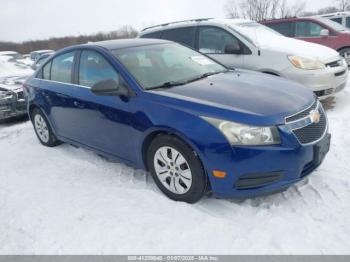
{"x": 339, "y": 17}
{"x": 249, "y": 45}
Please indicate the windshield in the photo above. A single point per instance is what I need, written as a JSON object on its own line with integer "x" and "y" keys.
{"x": 157, "y": 65}
{"x": 255, "y": 33}
{"x": 334, "y": 25}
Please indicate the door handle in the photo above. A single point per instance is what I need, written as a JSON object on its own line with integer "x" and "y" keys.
{"x": 79, "y": 105}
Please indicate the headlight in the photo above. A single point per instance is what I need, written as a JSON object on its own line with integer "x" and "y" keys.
{"x": 240, "y": 134}
{"x": 306, "y": 63}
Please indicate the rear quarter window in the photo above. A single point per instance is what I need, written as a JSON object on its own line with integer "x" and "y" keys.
{"x": 61, "y": 68}
{"x": 156, "y": 35}
{"x": 282, "y": 28}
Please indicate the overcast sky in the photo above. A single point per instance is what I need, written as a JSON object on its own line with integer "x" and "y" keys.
{"x": 40, "y": 19}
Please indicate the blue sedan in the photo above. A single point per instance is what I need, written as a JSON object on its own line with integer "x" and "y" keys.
{"x": 196, "y": 125}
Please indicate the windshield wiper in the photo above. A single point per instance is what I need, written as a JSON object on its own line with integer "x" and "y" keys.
{"x": 179, "y": 83}
{"x": 205, "y": 75}
{"x": 167, "y": 85}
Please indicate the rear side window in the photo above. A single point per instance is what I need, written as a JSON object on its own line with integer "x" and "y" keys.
{"x": 282, "y": 28}
{"x": 61, "y": 69}
{"x": 46, "y": 71}
{"x": 183, "y": 35}
{"x": 156, "y": 35}
{"x": 307, "y": 29}
{"x": 94, "y": 68}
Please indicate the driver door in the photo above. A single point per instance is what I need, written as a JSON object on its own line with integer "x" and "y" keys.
{"x": 101, "y": 122}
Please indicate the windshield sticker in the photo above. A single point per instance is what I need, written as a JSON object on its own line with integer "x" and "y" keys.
{"x": 201, "y": 60}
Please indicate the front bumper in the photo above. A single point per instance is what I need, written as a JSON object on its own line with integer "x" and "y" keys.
{"x": 262, "y": 170}
{"x": 323, "y": 82}
{"x": 13, "y": 107}
{"x": 256, "y": 170}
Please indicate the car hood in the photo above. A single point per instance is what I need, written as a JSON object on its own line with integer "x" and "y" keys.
{"x": 241, "y": 95}
{"x": 291, "y": 46}
{"x": 12, "y": 83}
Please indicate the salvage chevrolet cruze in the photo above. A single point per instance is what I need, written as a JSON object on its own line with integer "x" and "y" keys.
{"x": 197, "y": 126}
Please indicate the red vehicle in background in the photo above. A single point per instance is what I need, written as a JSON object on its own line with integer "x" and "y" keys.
{"x": 317, "y": 30}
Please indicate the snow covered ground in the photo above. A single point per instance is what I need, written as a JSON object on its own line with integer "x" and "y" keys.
{"x": 67, "y": 200}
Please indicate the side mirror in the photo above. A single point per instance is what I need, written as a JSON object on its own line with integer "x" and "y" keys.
{"x": 233, "y": 48}
{"x": 324, "y": 32}
{"x": 109, "y": 87}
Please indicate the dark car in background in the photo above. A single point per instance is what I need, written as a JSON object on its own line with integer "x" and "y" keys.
{"x": 317, "y": 30}
{"x": 40, "y": 60}
{"x": 12, "y": 100}
{"x": 38, "y": 53}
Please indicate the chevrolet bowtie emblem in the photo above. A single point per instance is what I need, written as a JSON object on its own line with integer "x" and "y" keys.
{"x": 315, "y": 116}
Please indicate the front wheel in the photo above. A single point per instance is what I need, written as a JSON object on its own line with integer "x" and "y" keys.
{"x": 176, "y": 169}
{"x": 42, "y": 129}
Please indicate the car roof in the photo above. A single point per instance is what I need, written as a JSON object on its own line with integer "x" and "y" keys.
{"x": 288, "y": 19}
{"x": 8, "y": 53}
{"x": 125, "y": 43}
{"x": 340, "y": 13}
{"x": 194, "y": 22}
{"x": 41, "y": 51}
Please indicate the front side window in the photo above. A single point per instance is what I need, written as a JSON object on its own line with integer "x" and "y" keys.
{"x": 62, "y": 66}
{"x": 155, "y": 65}
{"x": 213, "y": 40}
{"x": 307, "y": 29}
{"x": 337, "y": 19}
{"x": 183, "y": 35}
{"x": 94, "y": 68}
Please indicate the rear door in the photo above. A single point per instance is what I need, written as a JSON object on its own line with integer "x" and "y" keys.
{"x": 57, "y": 91}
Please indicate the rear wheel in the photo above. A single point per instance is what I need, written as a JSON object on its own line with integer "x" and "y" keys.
{"x": 42, "y": 129}
{"x": 176, "y": 169}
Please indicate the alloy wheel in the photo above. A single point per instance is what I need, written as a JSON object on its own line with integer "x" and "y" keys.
{"x": 172, "y": 170}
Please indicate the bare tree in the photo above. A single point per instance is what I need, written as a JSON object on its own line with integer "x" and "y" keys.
{"x": 343, "y": 5}
{"x": 60, "y": 42}
{"x": 328, "y": 9}
{"x": 232, "y": 10}
{"x": 262, "y": 9}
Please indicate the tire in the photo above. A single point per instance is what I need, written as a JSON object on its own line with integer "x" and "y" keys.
{"x": 176, "y": 169}
{"x": 43, "y": 129}
{"x": 345, "y": 52}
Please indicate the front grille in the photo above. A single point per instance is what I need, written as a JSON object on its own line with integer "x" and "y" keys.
{"x": 302, "y": 114}
{"x": 314, "y": 131}
{"x": 334, "y": 63}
